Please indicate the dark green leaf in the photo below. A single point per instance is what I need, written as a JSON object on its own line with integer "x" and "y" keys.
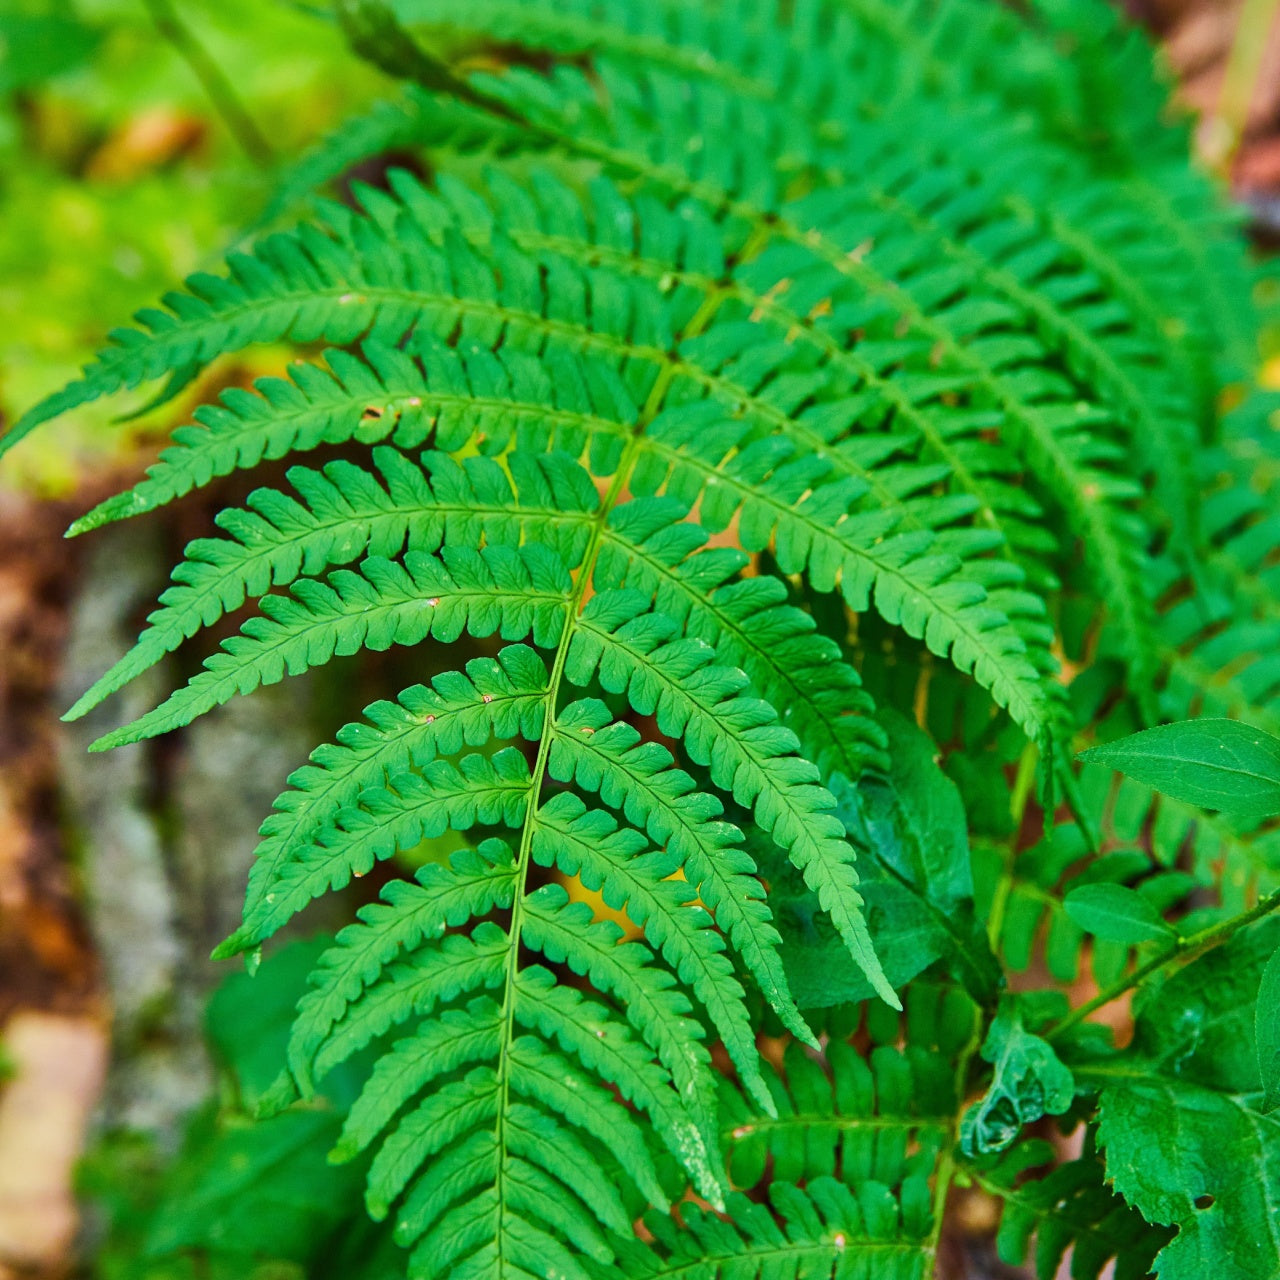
{"x": 1180, "y": 1121}
{"x": 913, "y": 830}
{"x": 35, "y": 47}
{"x": 819, "y": 969}
{"x": 916, "y": 821}
{"x": 1030, "y": 1081}
{"x": 248, "y": 1018}
{"x": 1116, "y": 913}
{"x": 1216, "y": 764}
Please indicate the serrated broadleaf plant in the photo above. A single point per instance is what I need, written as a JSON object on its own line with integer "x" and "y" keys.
{"x": 790, "y": 429}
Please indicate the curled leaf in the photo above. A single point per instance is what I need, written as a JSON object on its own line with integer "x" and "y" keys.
{"x": 1029, "y": 1082}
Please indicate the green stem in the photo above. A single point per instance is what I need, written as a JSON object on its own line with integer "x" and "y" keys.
{"x": 1022, "y": 784}
{"x": 582, "y": 583}
{"x": 215, "y": 84}
{"x": 1185, "y": 949}
{"x": 947, "y": 1164}
{"x": 1023, "y": 781}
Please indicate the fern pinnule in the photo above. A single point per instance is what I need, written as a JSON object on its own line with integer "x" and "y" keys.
{"x": 1071, "y": 1207}
{"x": 884, "y": 1118}
{"x": 824, "y": 1230}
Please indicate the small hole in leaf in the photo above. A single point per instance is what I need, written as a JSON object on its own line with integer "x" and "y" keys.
{"x": 1204, "y": 1202}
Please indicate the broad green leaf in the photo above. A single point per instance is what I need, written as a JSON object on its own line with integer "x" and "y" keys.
{"x": 916, "y": 819}
{"x": 1216, "y": 764}
{"x": 259, "y": 1188}
{"x": 1266, "y": 1023}
{"x": 1181, "y": 1116}
{"x": 913, "y": 827}
{"x": 248, "y": 1018}
{"x": 819, "y": 969}
{"x": 1116, "y": 913}
{"x": 1030, "y": 1081}
{"x": 35, "y": 47}
{"x": 910, "y": 830}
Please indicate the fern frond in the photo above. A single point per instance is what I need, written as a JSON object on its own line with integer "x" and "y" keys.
{"x": 513, "y": 592}
{"x": 365, "y": 988}
{"x": 1031, "y": 917}
{"x": 1071, "y": 1207}
{"x": 708, "y": 356}
{"x": 826, "y": 1230}
{"x": 1217, "y": 640}
{"x": 885, "y": 1118}
{"x": 929, "y": 595}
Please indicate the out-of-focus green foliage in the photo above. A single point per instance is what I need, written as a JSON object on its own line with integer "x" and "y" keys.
{"x": 245, "y": 1199}
{"x": 118, "y": 176}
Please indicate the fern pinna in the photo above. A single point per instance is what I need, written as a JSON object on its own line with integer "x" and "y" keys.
{"x": 746, "y": 374}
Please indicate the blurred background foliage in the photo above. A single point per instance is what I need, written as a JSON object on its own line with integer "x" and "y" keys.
{"x": 120, "y": 172}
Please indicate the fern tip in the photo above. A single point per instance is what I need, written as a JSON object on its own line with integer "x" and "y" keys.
{"x": 342, "y": 1152}
{"x": 230, "y": 946}
{"x": 78, "y": 709}
{"x": 281, "y": 1095}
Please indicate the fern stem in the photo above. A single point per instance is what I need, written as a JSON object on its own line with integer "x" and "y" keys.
{"x": 222, "y": 96}
{"x": 537, "y": 776}
{"x": 617, "y": 485}
{"x": 947, "y": 1163}
{"x": 1183, "y": 951}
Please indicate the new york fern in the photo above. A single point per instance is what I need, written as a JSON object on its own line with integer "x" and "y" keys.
{"x": 752, "y": 378}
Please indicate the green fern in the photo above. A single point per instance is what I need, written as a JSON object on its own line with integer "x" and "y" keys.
{"x": 1069, "y": 1207}
{"x": 748, "y": 384}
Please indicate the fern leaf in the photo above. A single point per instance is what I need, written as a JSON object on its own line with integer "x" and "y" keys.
{"x": 515, "y": 592}
{"x": 825, "y": 1230}
{"x": 496, "y": 699}
{"x": 564, "y": 933}
{"x": 1070, "y": 1207}
{"x": 346, "y": 513}
{"x": 749, "y": 754}
{"x": 696, "y": 275}
{"x": 457, "y": 1038}
{"x": 427, "y": 391}
{"x": 884, "y": 1117}
{"x": 599, "y": 755}
{"x": 591, "y": 845}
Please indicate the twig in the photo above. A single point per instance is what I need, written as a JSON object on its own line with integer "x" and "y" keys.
{"x": 1185, "y": 949}
{"x": 1244, "y": 64}
{"x": 215, "y": 84}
